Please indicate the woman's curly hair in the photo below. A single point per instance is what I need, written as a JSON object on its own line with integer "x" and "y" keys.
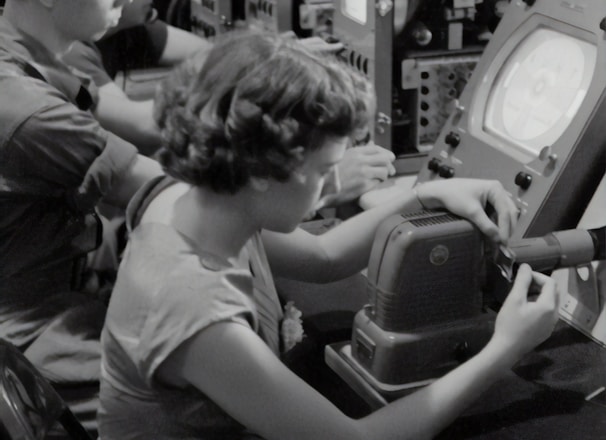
{"x": 241, "y": 109}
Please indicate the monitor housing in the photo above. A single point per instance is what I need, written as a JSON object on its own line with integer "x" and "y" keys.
{"x": 533, "y": 112}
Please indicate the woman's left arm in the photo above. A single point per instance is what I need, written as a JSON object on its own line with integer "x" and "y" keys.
{"x": 345, "y": 249}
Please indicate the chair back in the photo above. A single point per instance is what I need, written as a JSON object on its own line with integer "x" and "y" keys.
{"x": 29, "y": 405}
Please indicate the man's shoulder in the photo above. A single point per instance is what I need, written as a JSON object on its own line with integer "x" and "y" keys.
{"x": 22, "y": 89}
{"x": 86, "y": 60}
{"x": 11, "y": 43}
{"x": 23, "y": 94}
{"x": 83, "y": 53}
{"x": 23, "y": 86}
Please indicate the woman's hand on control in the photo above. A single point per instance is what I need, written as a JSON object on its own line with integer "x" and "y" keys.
{"x": 468, "y": 198}
{"x": 521, "y": 323}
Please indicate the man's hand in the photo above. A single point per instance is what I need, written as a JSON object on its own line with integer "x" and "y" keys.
{"x": 361, "y": 169}
{"x": 316, "y": 44}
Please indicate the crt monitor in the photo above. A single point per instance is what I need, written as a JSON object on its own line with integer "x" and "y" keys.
{"x": 419, "y": 56}
{"x": 538, "y": 91}
{"x": 533, "y": 113}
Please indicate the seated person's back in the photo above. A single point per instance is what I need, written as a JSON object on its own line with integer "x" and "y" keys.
{"x": 56, "y": 165}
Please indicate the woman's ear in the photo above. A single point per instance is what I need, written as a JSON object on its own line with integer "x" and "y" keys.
{"x": 260, "y": 184}
{"x": 299, "y": 153}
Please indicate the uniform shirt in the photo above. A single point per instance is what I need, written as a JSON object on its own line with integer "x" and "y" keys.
{"x": 139, "y": 47}
{"x": 56, "y": 163}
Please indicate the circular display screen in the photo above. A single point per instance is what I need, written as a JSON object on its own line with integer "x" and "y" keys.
{"x": 539, "y": 89}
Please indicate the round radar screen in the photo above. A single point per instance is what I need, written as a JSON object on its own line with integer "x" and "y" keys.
{"x": 539, "y": 89}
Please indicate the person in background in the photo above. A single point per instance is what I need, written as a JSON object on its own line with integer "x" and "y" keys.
{"x": 194, "y": 334}
{"x": 140, "y": 40}
{"x": 56, "y": 164}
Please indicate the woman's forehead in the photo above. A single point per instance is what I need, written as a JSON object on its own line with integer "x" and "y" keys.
{"x": 330, "y": 152}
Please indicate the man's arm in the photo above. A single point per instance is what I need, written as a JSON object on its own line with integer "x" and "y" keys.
{"x": 129, "y": 119}
{"x": 141, "y": 170}
{"x": 133, "y": 120}
{"x": 181, "y": 44}
{"x": 67, "y": 149}
{"x": 361, "y": 169}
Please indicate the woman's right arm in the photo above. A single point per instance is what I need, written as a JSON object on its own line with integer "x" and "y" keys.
{"x": 520, "y": 326}
{"x": 231, "y": 365}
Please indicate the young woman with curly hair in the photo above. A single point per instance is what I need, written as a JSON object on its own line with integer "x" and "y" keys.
{"x": 192, "y": 342}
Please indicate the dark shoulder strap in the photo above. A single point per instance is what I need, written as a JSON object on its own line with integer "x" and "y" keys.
{"x": 143, "y": 197}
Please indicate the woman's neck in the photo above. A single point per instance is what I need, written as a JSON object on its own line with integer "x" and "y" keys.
{"x": 218, "y": 223}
